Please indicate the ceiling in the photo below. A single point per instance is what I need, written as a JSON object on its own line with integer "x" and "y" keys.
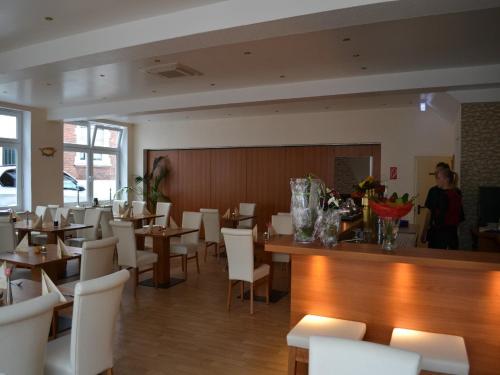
{"x": 22, "y": 22}
{"x": 443, "y": 41}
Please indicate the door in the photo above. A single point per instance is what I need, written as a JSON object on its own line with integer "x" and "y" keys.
{"x": 425, "y": 179}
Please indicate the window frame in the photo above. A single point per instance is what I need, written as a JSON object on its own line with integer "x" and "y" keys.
{"x": 17, "y": 144}
{"x": 90, "y": 149}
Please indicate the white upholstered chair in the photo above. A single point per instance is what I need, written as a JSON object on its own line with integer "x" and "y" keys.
{"x": 239, "y": 249}
{"x": 128, "y": 256}
{"x": 189, "y": 244}
{"x": 105, "y": 228}
{"x": 138, "y": 207}
{"x": 8, "y": 239}
{"x": 117, "y": 205}
{"x": 93, "y": 218}
{"x": 89, "y": 348}
{"x": 53, "y": 210}
{"x": 24, "y": 329}
{"x": 163, "y": 208}
{"x": 331, "y": 355}
{"x": 445, "y": 354}
{"x": 246, "y": 209}
{"x": 282, "y": 224}
{"x": 78, "y": 214}
{"x": 40, "y": 211}
{"x": 298, "y": 338}
{"x": 211, "y": 225}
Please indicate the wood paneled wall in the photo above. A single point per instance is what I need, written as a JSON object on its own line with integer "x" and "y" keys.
{"x": 223, "y": 177}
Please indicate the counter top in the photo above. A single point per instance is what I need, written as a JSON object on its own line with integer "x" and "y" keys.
{"x": 459, "y": 259}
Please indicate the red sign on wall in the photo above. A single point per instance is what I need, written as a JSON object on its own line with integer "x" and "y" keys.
{"x": 394, "y": 173}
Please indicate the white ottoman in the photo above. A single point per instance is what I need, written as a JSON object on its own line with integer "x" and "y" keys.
{"x": 313, "y": 325}
{"x": 440, "y": 353}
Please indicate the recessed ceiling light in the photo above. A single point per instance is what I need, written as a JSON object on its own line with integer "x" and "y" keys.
{"x": 363, "y": 68}
{"x": 104, "y": 98}
{"x": 247, "y": 52}
{"x": 355, "y": 55}
{"x": 277, "y": 111}
{"x": 157, "y": 60}
{"x": 49, "y": 84}
{"x": 346, "y": 39}
{"x": 48, "y": 18}
{"x": 282, "y": 76}
{"x": 153, "y": 91}
{"x": 5, "y": 92}
{"x": 327, "y": 107}
{"x": 101, "y": 75}
{"x": 212, "y": 84}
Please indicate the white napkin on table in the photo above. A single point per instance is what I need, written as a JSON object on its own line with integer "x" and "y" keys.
{"x": 36, "y": 222}
{"x": 23, "y": 246}
{"x": 48, "y": 286}
{"x": 255, "y": 233}
{"x": 173, "y": 224}
{"x": 47, "y": 219}
{"x": 146, "y": 212}
{"x": 236, "y": 212}
{"x": 121, "y": 210}
{"x": 64, "y": 221}
{"x": 3, "y": 278}
{"x": 61, "y": 249}
{"x": 126, "y": 213}
{"x": 227, "y": 214}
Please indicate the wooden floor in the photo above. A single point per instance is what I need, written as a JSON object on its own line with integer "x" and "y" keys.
{"x": 187, "y": 330}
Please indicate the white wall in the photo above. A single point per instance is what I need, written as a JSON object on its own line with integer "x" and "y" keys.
{"x": 403, "y": 133}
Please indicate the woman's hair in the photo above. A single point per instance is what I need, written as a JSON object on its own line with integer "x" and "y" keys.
{"x": 449, "y": 175}
{"x": 442, "y": 165}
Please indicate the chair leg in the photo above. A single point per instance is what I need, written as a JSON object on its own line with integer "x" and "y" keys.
{"x": 155, "y": 275}
{"x": 217, "y": 251}
{"x": 229, "y": 289}
{"x": 242, "y": 289}
{"x": 268, "y": 287}
{"x": 197, "y": 263}
{"x": 182, "y": 264}
{"x": 251, "y": 298}
{"x": 206, "y": 253}
{"x": 292, "y": 363}
{"x": 136, "y": 281}
{"x": 185, "y": 260}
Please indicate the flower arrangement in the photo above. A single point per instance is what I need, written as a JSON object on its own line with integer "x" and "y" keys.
{"x": 368, "y": 183}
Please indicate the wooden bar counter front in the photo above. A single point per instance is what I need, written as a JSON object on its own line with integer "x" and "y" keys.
{"x": 442, "y": 291}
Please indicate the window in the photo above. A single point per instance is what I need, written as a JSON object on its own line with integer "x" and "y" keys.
{"x": 92, "y": 155}
{"x": 10, "y": 151}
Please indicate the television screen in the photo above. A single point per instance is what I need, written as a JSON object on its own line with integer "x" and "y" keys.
{"x": 489, "y": 205}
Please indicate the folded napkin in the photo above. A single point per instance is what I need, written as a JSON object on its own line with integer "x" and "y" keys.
{"x": 271, "y": 230}
{"x": 236, "y": 212}
{"x": 48, "y": 286}
{"x": 13, "y": 216}
{"x": 255, "y": 233}
{"x": 3, "y": 278}
{"x": 47, "y": 219}
{"x": 146, "y": 212}
{"x": 23, "y": 246}
{"x": 126, "y": 213}
{"x": 173, "y": 224}
{"x": 36, "y": 222}
{"x": 121, "y": 210}
{"x": 64, "y": 221}
{"x": 61, "y": 249}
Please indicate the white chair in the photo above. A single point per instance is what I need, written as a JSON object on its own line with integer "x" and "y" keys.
{"x": 8, "y": 238}
{"x": 283, "y": 213}
{"x": 78, "y": 214}
{"x": 138, "y": 207}
{"x": 313, "y": 325}
{"x": 239, "y": 249}
{"x": 163, "y": 208}
{"x": 331, "y": 355}
{"x": 247, "y": 209}
{"x": 213, "y": 236}
{"x": 24, "y": 329}
{"x": 117, "y": 205}
{"x": 128, "y": 255}
{"x": 93, "y": 218}
{"x": 89, "y": 348}
{"x": 282, "y": 224}
{"x": 40, "y": 211}
{"x": 61, "y": 211}
{"x": 187, "y": 247}
{"x": 440, "y": 353}
{"x": 106, "y": 217}
{"x": 53, "y": 210}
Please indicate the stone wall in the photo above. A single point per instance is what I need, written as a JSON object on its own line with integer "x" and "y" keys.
{"x": 480, "y": 158}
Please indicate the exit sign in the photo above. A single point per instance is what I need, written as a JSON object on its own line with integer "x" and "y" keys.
{"x": 393, "y": 173}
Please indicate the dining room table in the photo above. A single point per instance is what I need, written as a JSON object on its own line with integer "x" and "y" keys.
{"x": 25, "y": 289}
{"x": 233, "y": 220}
{"x": 53, "y": 232}
{"x": 138, "y": 220}
{"x": 36, "y": 259}
{"x": 161, "y": 245}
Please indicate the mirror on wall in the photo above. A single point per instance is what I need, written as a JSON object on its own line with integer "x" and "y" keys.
{"x": 350, "y": 171}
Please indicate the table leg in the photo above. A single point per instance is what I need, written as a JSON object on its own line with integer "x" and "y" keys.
{"x": 161, "y": 246}
{"x": 51, "y": 238}
{"x": 36, "y": 274}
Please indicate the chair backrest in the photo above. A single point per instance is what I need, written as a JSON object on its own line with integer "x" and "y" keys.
{"x": 24, "y": 328}
{"x": 282, "y": 224}
{"x": 64, "y": 211}
{"x": 8, "y": 239}
{"x": 211, "y": 223}
{"x": 246, "y": 209}
{"x": 126, "y": 246}
{"x": 97, "y": 258}
{"x": 330, "y": 355}
{"x": 92, "y": 217}
{"x": 95, "y": 308}
{"x": 116, "y": 206}
{"x": 239, "y": 249}
{"x": 138, "y": 207}
{"x": 191, "y": 220}
{"x": 40, "y": 210}
{"x": 162, "y": 208}
{"x": 78, "y": 214}
{"x": 106, "y": 217}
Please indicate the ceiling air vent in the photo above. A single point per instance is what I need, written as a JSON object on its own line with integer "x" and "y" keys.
{"x": 173, "y": 70}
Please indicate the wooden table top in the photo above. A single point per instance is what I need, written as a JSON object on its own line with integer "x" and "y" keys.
{"x": 137, "y": 217}
{"x": 24, "y": 289}
{"x": 22, "y": 225}
{"x": 34, "y": 259}
{"x": 167, "y": 232}
{"x": 460, "y": 259}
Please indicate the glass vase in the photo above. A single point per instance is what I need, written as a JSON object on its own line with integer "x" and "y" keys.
{"x": 390, "y": 230}
{"x": 327, "y": 227}
{"x": 304, "y": 207}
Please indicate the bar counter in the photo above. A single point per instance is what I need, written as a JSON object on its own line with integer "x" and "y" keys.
{"x": 442, "y": 291}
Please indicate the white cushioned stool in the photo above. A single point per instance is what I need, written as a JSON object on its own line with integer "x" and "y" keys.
{"x": 313, "y": 325}
{"x": 440, "y": 352}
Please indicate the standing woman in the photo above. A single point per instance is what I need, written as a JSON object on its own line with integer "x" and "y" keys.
{"x": 446, "y": 212}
